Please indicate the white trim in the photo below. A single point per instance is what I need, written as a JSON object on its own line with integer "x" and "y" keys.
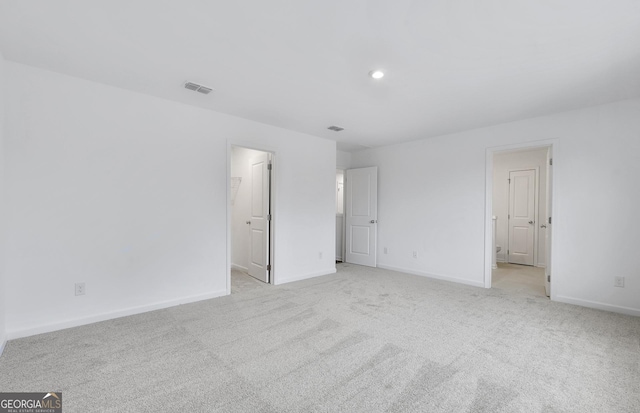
{"x": 541, "y": 265}
{"x": 239, "y": 268}
{"x": 597, "y": 305}
{"x": 2, "y": 346}
{"x": 307, "y": 276}
{"x": 488, "y": 228}
{"x": 110, "y": 315}
{"x": 435, "y": 276}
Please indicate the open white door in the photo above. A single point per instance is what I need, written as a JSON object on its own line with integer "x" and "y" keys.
{"x": 259, "y": 238}
{"x": 522, "y": 217}
{"x": 547, "y": 269}
{"x": 361, "y": 216}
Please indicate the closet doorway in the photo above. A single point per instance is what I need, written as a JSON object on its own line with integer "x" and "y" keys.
{"x": 340, "y": 215}
{"x": 251, "y": 214}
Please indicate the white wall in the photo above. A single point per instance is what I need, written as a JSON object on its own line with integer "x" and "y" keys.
{"x": 241, "y": 209}
{"x": 502, "y": 164}
{"x": 432, "y": 199}
{"x": 128, "y": 193}
{"x": 2, "y": 208}
{"x": 343, "y": 160}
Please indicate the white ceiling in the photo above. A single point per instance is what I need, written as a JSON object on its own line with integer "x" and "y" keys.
{"x": 450, "y": 65}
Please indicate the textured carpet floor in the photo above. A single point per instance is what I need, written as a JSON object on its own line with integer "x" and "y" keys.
{"x": 362, "y": 340}
{"x": 520, "y": 279}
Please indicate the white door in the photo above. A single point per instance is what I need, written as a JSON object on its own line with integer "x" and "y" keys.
{"x": 361, "y": 216}
{"x": 547, "y": 270}
{"x": 259, "y": 238}
{"x": 522, "y": 219}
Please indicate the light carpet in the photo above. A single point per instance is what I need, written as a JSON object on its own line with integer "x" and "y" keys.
{"x": 361, "y": 340}
{"x": 519, "y": 278}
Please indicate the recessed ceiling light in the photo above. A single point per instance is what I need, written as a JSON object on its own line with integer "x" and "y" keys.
{"x": 376, "y": 74}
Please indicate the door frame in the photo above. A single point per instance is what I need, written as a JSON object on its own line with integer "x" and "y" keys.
{"x": 536, "y": 211}
{"x": 343, "y": 253}
{"x": 272, "y": 206}
{"x": 488, "y": 227}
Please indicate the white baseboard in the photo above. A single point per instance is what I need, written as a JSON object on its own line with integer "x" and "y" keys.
{"x": 501, "y": 260}
{"x": 541, "y": 265}
{"x": 239, "y": 268}
{"x": 436, "y": 276}
{"x": 76, "y": 322}
{"x": 306, "y": 276}
{"x": 598, "y": 305}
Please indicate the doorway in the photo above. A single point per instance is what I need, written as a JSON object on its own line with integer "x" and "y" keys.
{"x": 251, "y": 223}
{"x": 519, "y": 207}
{"x": 340, "y": 253}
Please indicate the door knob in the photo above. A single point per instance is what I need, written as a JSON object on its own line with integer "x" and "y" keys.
{"x": 531, "y": 222}
{"x": 248, "y": 222}
{"x": 373, "y": 221}
{"x": 543, "y": 226}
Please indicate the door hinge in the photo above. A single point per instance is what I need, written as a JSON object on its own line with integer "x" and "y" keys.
{"x": 269, "y": 166}
{"x": 549, "y": 220}
{"x": 508, "y": 252}
{"x": 268, "y": 217}
{"x": 268, "y": 267}
{"x": 550, "y": 161}
{"x": 509, "y": 180}
{"x": 549, "y": 278}
{"x": 509, "y": 216}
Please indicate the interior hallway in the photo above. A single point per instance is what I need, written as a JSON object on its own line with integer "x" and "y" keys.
{"x": 243, "y": 282}
{"x": 521, "y": 279}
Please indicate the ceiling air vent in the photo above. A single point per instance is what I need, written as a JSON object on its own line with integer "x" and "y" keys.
{"x": 335, "y": 128}
{"x": 197, "y": 88}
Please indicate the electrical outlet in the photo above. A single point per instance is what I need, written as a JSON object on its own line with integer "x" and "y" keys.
{"x": 385, "y": 250}
{"x": 415, "y": 254}
{"x": 80, "y": 289}
{"x": 320, "y": 255}
{"x": 618, "y": 282}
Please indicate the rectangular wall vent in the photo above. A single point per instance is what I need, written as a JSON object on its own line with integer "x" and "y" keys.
{"x": 335, "y": 128}
{"x": 197, "y": 88}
